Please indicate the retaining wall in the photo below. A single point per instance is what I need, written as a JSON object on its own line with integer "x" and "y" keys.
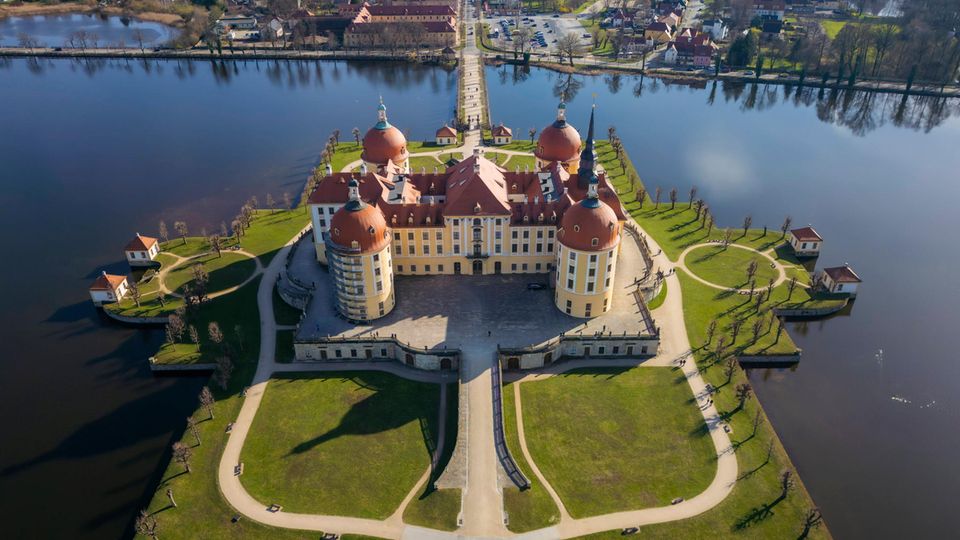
{"x": 364, "y": 350}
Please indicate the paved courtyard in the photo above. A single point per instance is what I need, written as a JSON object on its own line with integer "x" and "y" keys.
{"x": 462, "y": 310}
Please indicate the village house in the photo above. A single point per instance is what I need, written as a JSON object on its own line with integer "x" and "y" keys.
{"x": 657, "y": 33}
{"x": 671, "y": 19}
{"x": 691, "y": 47}
{"x": 771, "y": 30}
{"x": 108, "y": 288}
{"x": 273, "y": 31}
{"x": 840, "y": 280}
{"x": 142, "y": 250}
{"x": 446, "y": 135}
{"x": 769, "y": 9}
{"x": 805, "y": 241}
{"x": 502, "y": 135}
{"x": 236, "y": 22}
{"x": 717, "y": 30}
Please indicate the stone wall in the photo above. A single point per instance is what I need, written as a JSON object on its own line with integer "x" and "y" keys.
{"x": 376, "y": 349}
{"x": 568, "y": 347}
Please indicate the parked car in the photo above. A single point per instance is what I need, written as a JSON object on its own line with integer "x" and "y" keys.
{"x": 536, "y": 286}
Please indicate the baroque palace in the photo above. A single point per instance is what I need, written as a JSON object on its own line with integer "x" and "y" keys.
{"x": 475, "y": 217}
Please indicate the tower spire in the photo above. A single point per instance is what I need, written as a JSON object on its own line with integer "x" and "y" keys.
{"x": 382, "y": 116}
{"x": 587, "y": 171}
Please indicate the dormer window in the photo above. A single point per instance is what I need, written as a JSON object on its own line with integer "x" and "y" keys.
{"x": 576, "y": 228}
{"x": 336, "y": 231}
{"x": 410, "y": 219}
{"x": 513, "y": 187}
{"x": 526, "y": 219}
{"x": 594, "y": 242}
{"x": 355, "y": 244}
{"x": 393, "y": 219}
{"x": 371, "y": 230}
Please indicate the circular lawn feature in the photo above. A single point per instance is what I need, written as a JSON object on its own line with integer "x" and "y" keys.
{"x": 727, "y": 266}
{"x": 227, "y": 270}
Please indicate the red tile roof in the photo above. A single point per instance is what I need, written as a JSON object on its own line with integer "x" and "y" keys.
{"x": 476, "y": 193}
{"x": 107, "y": 282}
{"x": 396, "y": 11}
{"x": 140, "y": 243}
{"x": 806, "y": 234}
{"x": 842, "y": 274}
{"x": 502, "y": 131}
{"x": 446, "y": 131}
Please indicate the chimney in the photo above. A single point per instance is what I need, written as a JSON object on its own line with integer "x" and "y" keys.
{"x": 329, "y": 169}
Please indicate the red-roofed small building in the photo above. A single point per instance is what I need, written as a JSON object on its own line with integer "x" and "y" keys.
{"x": 142, "y": 250}
{"x": 446, "y": 135}
{"x": 840, "y": 280}
{"x": 805, "y": 241}
{"x": 501, "y": 135}
{"x": 108, "y": 288}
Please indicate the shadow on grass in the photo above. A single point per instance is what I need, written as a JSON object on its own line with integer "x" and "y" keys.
{"x": 757, "y": 515}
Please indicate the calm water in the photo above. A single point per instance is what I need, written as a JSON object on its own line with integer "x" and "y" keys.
{"x": 57, "y": 31}
{"x": 878, "y": 178}
{"x": 92, "y": 153}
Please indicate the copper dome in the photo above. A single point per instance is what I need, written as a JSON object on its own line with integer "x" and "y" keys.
{"x": 558, "y": 142}
{"x": 382, "y": 144}
{"x": 361, "y": 223}
{"x": 589, "y": 225}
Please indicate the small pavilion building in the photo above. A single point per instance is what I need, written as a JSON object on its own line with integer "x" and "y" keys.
{"x": 840, "y": 280}
{"x": 142, "y": 250}
{"x": 502, "y": 135}
{"x": 108, "y": 288}
{"x": 446, "y": 135}
{"x": 806, "y": 242}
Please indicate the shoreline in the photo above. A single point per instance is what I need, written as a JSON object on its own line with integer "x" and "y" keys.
{"x": 27, "y": 10}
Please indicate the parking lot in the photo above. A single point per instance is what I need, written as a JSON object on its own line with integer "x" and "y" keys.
{"x": 550, "y": 28}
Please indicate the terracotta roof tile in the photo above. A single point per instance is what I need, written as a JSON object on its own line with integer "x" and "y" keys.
{"x": 107, "y": 282}
{"x": 842, "y": 274}
{"x": 806, "y": 234}
{"x": 140, "y": 243}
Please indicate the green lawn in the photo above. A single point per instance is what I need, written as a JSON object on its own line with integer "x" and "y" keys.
{"x": 311, "y": 428}
{"x": 439, "y": 508}
{"x": 519, "y": 146}
{"x": 832, "y": 28}
{"x": 645, "y": 442}
{"x": 531, "y": 508}
{"x": 270, "y": 230}
{"x": 348, "y": 151}
{"x": 727, "y": 266}
{"x": 178, "y": 353}
{"x": 193, "y": 245}
{"x": 425, "y": 162}
{"x": 659, "y": 298}
{"x": 225, "y": 271}
{"x": 521, "y": 161}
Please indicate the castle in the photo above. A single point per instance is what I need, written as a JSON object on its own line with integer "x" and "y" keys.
{"x": 475, "y": 217}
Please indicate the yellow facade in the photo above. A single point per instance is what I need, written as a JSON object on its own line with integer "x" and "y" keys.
{"x": 363, "y": 283}
{"x": 584, "y": 285}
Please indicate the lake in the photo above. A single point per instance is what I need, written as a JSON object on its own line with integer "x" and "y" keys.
{"x": 97, "y": 150}
{"x": 93, "y": 152}
{"x": 870, "y": 415}
{"x": 66, "y": 30}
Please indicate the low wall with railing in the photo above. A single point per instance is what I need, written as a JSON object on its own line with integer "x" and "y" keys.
{"x": 565, "y": 347}
{"x": 346, "y": 349}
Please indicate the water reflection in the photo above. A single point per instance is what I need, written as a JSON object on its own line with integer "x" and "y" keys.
{"x": 859, "y": 111}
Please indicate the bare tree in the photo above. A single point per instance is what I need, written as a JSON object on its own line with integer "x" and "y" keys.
{"x": 216, "y": 243}
{"x": 568, "y": 44}
{"x": 752, "y": 268}
{"x": 214, "y": 333}
{"x": 287, "y": 201}
{"x": 356, "y": 134}
{"x": 656, "y": 199}
{"x": 693, "y": 195}
{"x": 673, "y": 198}
{"x": 747, "y": 221}
{"x": 192, "y": 426}
{"x": 786, "y": 483}
{"x": 182, "y": 454}
{"x": 271, "y": 203}
{"x": 173, "y": 501}
{"x": 641, "y": 196}
{"x": 223, "y": 371}
{"x": 744, "y": 393}
{"x": 206, "y": 399}
{"x": 730, "y": 368}
{"x": 181, "y": 228}
{"x": 135, "y": 293}
{"x": 787, "y": 221}
{"x": 176, "y": 325}
{"x": 812, "y": 520}
{"x": 194, "y": 336}
{"x": 727, "y": 236}
{"x": 791, "y": 286}
{"x": 146, "y": 525}
{"x": 757, "y": 421}
{"x": 532, "y": 132}
{"x": 164, "y": 233}
{"x": 199, "y": 283}
{"x": 138, "y": 35}
{"x": 711, "y": 328}
{"x": 735, "y": 326}
{"x": 757, "y": 326}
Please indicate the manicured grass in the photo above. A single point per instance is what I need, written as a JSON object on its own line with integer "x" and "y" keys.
{"x": 178, "y": 353}
{"x": 659, "y": 298}
{"x": 284, "y": 346}
{"x": 225, "y": 271}
{"x": 283, "y": 313}
{"x": 645, "y": 442}
{"x": 727, "y": 266}
{"x": 439, "y": 508}
{"x": 832, "y": 28}
{"x": 303, "y": 448}
{"x": 519, "y": 146}
{"x": 425, "y": 162}
{"x": 495, "y": 157}
{"x": 531, "y": 508}
{"x": 270, "y": 230}
{"x": 347, "y": 152}
{"x": 515, "y": 161}
{"x": 194, "y": 245}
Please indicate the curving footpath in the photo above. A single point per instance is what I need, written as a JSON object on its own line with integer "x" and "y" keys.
{"x": 781, "y": 271}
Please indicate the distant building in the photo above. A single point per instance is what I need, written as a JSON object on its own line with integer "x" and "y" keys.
{"x": 142, "y": 250}
{"x": 717, "y": 30}
{"x": 502, "y": 134}
{"x": 691, "y": 47}
{"x": 658, "y": 33}
{"x": 236, "y": 22}
{"x": 771, "y": 30}
{"x": 769, "y": 9}
{"x": 273, "y": 30}
{"x": 108, "y": 288}
{"x": 446, "y": 135}
{"x": 805, "y": 241}
{"x": 840, "y": 280}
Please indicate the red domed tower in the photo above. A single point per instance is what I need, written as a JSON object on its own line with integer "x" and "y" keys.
{"x": 558, "y": 142}
{"x": 383, "y": 143}
{"x": 358, "y": 253}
